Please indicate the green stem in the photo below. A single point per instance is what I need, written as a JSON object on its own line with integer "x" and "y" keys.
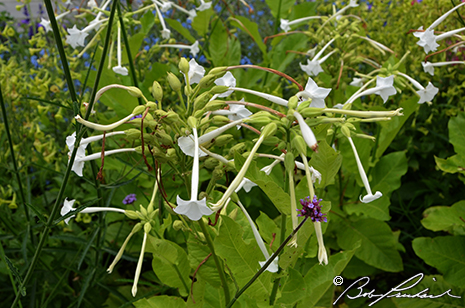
{"x": 217, "y": 261}
{"x": 2, "y": 254}
{"x": 281, "y": 239}
{"x": 271, "y": 259}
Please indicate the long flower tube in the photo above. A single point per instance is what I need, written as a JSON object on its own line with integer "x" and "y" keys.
{"x": 384, "y": 88}
{"x": 71, "y": 140}
{"x": 103, "y": 127}
{"x": 313, "y": 67}
{"x": 119, "y": 69}
{"x": 118, "y": 256}
{"x": 369, "y": 197}
{"x": 46, "y": 23}
{"x": 68, "y": 207}
{"x": 165, "y": 32}
{"x": 286, "y": 24}
{"x": 426, "y": 94}
{"x": 78, "y": 164}
{"x": 294, "y": 218}
{"x": 194, "y": 48}
{"x": 139, "y": 263}
{"x": 428, "y": 67}
{"x": 307, "y": 132}
{"x": 269, "y": 97}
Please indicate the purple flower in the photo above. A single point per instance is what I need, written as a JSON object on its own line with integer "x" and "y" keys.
{"x": 135, "y": 117}
{"x": 130, "y": 199}
{"x": 312, "y": 209}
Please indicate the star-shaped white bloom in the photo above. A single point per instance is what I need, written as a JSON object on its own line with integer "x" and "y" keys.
{"x": 193, "y": 209}
{"x": 353, "y": 3}
{"x": 192, "y": 14}
{"x": 227, "y": 80}
{"x": 316, "y": 175}
{"x": 67, "y": 207}
{"x": 92, "y": 4}
{"x": 196, "y": 72}
{"x": 285, "y": 25}
{"x": 165, "y": 6}
{"x": 204, "y": 5}
{"x": 120, "y": 70}
{"x": 78, "y": 165}
{"x": 357, "y": 82}
{"x": 248, "y": 184}
{"x": 195, "y": 48}
{"x": 314, "y": 92}
{"x": 165, "y": 33}
{"x": 428, "y": 68}
{"x": 273, "y": 267}
{"x": 427, "y": 39}
{"x": 427, "y": 94}
{"x": 46, "y": 24}
{"x": 238, "y": 112}
{"x": 312, "y": 68}
{"x": 76, "y": 37}
{"x": 386, "y": 87}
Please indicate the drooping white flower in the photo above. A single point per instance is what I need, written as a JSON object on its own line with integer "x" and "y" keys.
{"x": 92, "y": 4}
{"x": 194, "y": 48}
{"x": 428, "y": 67}
{"x": 269, "y": 97}
{"x": 314, "y": 92}
{"x": 204, "y": 5}
{"x": 196, "y": 72}
{"x": 46, "y": 24}
{"x": 307, "y": 132}
{"x": 313, "y": 67}
{"x": 286, "y": 24}
{"x": 426, "y": 94}
{"x": 194, "y": 209}
{"x": 238, "y": 112}
{"x": 322, "y": 255}
{"x": 119, "y": 69}
{"x": 427, "y": 39}
{"x": 68, "y": 207}
{"x": 76, "y": 37}
{"x": 227, "y": 80}
{"x": 165, "y": 32}
{"x": 357, "y": 82}
{"x": 139, "y": 265}
{"x": 386, "y": 87}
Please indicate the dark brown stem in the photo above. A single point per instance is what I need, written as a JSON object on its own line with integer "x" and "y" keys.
{"x": 142, "y": 139}
{"x": 102, "y": 157}
{"x": 445, "y": 49}
{"x": 340, "y": 74}
{"x": 195, "y": 273}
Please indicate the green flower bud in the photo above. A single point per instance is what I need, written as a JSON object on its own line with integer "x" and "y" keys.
{"x": 223, "y": 139}
{"x": 171, "y": 117}
{"x": 350, "y": 125}
{"x": 363, "y": 136}
{"x": 152, "y": 105}
{"x": 137, "y": 227}
{"x": 201, "y": 236}
{"x": 220, "y": 120}
{"x": 188, "y": 90}
{"x": 345, "y": 131}
{"x": 131, "y": 214}
{"x": 147, "y": 227}
{"x": 285, "y": 121}
{"x": 192, "y": 122}
{"x": 138, "y": 110}
{"x": 157, "y": 91}
{"x": 299, "y": 144}
{"x": 269, "y": 130}
{"x": 218, "y": 173}
{"x": 219, "y": 89}
{"x": 178, "y": 225}
{"x": 239, "y": 148}
{"x": 282, "y": 145}
{"x": 206, "y": 81}
{"x": 160, "y": 113}
{"x": 289, "y": 162}
{"x": 259, "y": 120}
{"x": 183, "y": 66}
{"x": 134, "y": 91}
{"x": 303, "y": 105}
{"x": 143, "y": 210}
{"x": 132, "y": 134}
{"x": 171, "y": 153}
{"x": 217, "y": 70}
{"x": 311, "y": 112}
{"x": 292, "y": 103}
{"x": 164, "y": 138}
{"x": 214, "y": 105}
{"x": 174, "y": 82}
{"x": 211, "y": 163}
{"x": 272, "y": 141}
{"x": 201, "y": 100}
{"x": 235, "y": 198}
{"x": 199, "y": 113}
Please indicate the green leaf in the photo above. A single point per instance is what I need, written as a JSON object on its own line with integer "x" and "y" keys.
{"x": 377, "y": 209}
{"x": 357, "y": 268}
{"x": 202, "y": 21}
{"x": 274, "y": 191}
{"x": 378, "y": 247}
{"x": 446, "y": 253}
{"x": 280, "y": 8}
{"x": 135, "y": 43}
{"x": 162, "y": 301}
{"x": 457, "y": 133}
{"x": 453, "y": 164}
{"x": 388, "y": 172}
{"x": 327, "y": 162}
{"x": 291, "y": 254}
{"x": 170, "y": 264}
{"x": 176, "y": 25}
{"x": 446, "y": 218}
{"x": 147, "y": 21}
{"x": 293, "y": 288}
{"x": 217, "y": 47}
{"x": 250, "y": 28}
{"x": 242, "y": 259}
{"x": 233, "y": 57}
{"x": 14, "y": 270}
{"x": 281, "y": 58}
{"x": 197, "y": 253}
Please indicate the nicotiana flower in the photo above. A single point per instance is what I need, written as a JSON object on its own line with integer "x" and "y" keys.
{"x": 204, "y": 5}
{"x": 194, "y": 48}
{"x": 426, "y": 94}
{"x": 307, "y": 132}
{"x": 187, "y": 144}
{"x": 269, "y": 97}
{"x": 120, "y": 69}
{"x": 286, "y": 24}
{"x": 384, "y": 88}
{"x": 46, "y": 23}
{"x": 194, "y": 209}
{"x": 165, "y": 32}
{"x": 165, "y": 6}
{"x": 314, "y": 92}
{"x": 68, "y": 207}
{"x": 369, "y": 197}
{"x": 235, "y": 112}
{"x": 77, "y": 37}
{"x": 71, "y": 140}
{"x": 313, "y": 67}
{"x": 357, "y": 82}
{"x": 227, "y": 80}
{"x": 196, "y": 72}
{"x": 428, "y": 67}
{"x": 427, "y": 39}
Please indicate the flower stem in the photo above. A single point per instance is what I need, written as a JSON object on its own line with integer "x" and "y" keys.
{"x": 264, "y": 267}
{"x": 220, "y": 270}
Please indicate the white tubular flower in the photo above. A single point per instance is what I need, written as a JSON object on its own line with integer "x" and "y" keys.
{"x": 46, "y": 23}
{"x": 384, "y": 88}
{"x": 235, "y": 112}
{"x": 369, "y": 197}
{"x": 99, "y": 14}
{"x": 139, "y": 266}
{"x": 307, "y": 132}
{"x": 187, "y": 144}
{"x": 269, "y": 97}
{"x": 316, "y": 175}
{"x": 322, "y": 256}
{"x": 196, "y": 72}
{"x": 428, "y": 67}
{"x": 248, "y": 184}
{"x": 194, "y": 48}
{"x": 273, "y": 267}
{"x": 357, "y": 82}
{"x": 427, "y": 39}
{"x": 92, "y": 4}
{"x": 352, "y": 3}
{"x": 164, "y": 5}
{"x": 120, "y": 69}
{"x": 426, "y": 94}
{"x": 313, "y": 67}
{"x": 194, "y": 209}
{"x": 68, "y": 207}
{"x": 204, "y": 5}
{"x": 227, "y": 80}
{"x": 77, "y": 37}
{"x": 286, "y": 24}
{"x": 382, "y": 48}
{"x": 78, "y": 164}
{"x": 165, "y": 32}
{"x": 314, "y": 92}
{"x": 136, "y": 228}
{"x": 103, "y": 127}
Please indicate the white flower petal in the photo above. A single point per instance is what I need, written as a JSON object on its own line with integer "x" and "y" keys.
{"x": 368, "y": 198}
{"x": 227, "y": 80}
{"x": 273, "y": 267}
{"x": 67, "y": 207}
{"x": 196, "y": 72}
{"x": 193, "y": 209}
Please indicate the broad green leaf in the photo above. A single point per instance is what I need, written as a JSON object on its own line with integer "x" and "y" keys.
{"x": 292, "y": 289}
{"x": 161, "y": 301}
{"x": 197, "y": 253}
{"x": 268, "y": 228}
{"x": 217, "y": 44}
{"x": 445, "y": 218}
{"x": 202, "y": 21}
{"x": 147, "y": 21}
{"x": 320, "y": 278}
{"x": 281, "y": 58}
{"x": 327, "y": 162}
{"x": 170, "y": 264}
{"x": 176, "y": 25}
{"x": 280, "y": 8}
{"x": 377, "y": 209}
{"x": 274, "y": 191}
{"x": 233, "y": 57}
{"x": 388, "y": 171}
{"x": 135, "y": 43}
{"x": 453, "y": 164}
{"x": 378, "y": 247}
{"x": 291, "y": 254}
{"x": 457, "y": 133}
{"x": 390, "y": 129}
{"x": 446, "y": 253}
{"x": 357, "y": 268}
{"x": 242, "y": 259}
{"x": 303, "y": 10}
{"x": 250, "y": 28}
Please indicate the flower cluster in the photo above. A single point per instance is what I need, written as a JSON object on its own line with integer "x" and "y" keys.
{"x": 129, "y": 199}
{"x": 312, "y": 209}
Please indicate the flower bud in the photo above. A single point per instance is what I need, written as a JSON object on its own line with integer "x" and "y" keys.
{"x": 299, "y": 144}
{"x": 289, "y": 162}
{"x": 201, "y": 236}
{"x": 147, "y": 227}
{"x": 174, "y": 82}
{"x": 345, "y": 131}
{"x": 131, "y": 214}
{"x": 292, "y": 103}
{"x": 183, "y": 66}
{"x": 137, "y": 227}
{"x": 206, "y": 81}
{"x": 160, "y": 113}
{"x": 134, "y": 91}
{"x": 363, "y": 136}
{"x": 281, "y": 145}
{"x": 239, "y": 148}
{"x": 157, "y": 91}
{"x": 217, "y": 70}
{"x": 259, "y": 120}
{"x": 201, "y": 100}
{"x": 269, "y": 130}
{"x": 219, "y": 89}
{"x": 171, "y": 117}
{"x": 218, "y": 173}
{"x": 223, "y": 139}
{"x": 220, "y": 120}
{"x": 214, "y": 105}
{"x": 152, "y": 105}
{"x": 138, "y": 110}
{"x": 164, "y": 138}
{"x": 304, "y": 105}
{"x": 235, "y": 198}
{"x": 211, "y": 163}
{"x": 271, "y": 141}
{"x": 143, "y": 210}
{"x": 192, "y": 122}
{"x": 178, "y": 225}
{"x": 171, "y": 153}
{"x": 311, "y": 112}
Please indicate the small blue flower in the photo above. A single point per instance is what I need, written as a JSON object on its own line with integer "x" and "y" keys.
{"x": 130, "y": 199}
{"x": 34, "y": 61}
{"x": 245, "y": 60}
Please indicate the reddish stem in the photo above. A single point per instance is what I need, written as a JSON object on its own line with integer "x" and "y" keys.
{"x": 195, "y": 273}
{"x": 142, "y": 138}
{"x": 445, "y": 49}
{"x": 102, "y": 157}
